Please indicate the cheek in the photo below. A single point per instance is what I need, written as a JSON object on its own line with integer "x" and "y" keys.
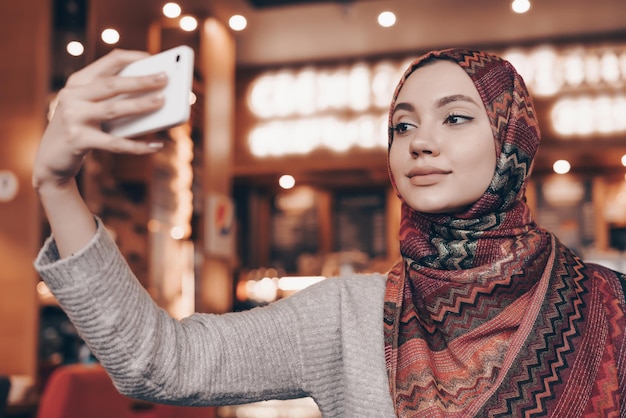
{"x": 478, "y": 161}
{"x": 487, "y": 156}
{"x": 486, "y": 167}
{"x": 395, "y": 164}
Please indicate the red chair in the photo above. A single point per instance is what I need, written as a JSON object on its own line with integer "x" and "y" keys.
{"x": 86, "y": 391}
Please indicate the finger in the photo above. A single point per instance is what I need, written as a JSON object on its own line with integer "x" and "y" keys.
{"x": 132, "y": 106}
{"x": 76, "y": 112}
{"x": 110, "y": 64}
{"x": 111, "y": 86}
{"x": 131, "y": 146}
{"x": 94, "y": 139}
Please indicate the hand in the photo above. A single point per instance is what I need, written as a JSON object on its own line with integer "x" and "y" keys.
{"x": 84, "y": 104}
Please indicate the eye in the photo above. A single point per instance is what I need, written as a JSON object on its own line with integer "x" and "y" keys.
{"x": 403, "y": 127}
{"x": 457, "y": 119}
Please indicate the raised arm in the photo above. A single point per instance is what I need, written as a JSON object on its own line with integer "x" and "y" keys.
{"x": 203, "y": 359}
{"x": 83, "y": 105}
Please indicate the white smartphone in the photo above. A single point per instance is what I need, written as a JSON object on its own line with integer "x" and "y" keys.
{"x": 177, "y": 63}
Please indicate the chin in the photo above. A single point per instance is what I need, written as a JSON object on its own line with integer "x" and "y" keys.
{"x": 440, "y": 210}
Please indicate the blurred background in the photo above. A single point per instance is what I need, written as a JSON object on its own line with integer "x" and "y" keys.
{"x": 279, "y": 179}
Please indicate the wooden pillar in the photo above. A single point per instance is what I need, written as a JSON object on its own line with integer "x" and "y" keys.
{"x": 601, "y": 227}
{"x": 325, "y": 219}
{"x": 217, "y": 64}
{"x": 24, "y": 70}
{"x": 257, "y": 242}
{"x": 393, "y": 215}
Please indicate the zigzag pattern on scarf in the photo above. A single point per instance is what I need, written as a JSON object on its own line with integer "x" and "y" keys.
{"x": 454, "y": 316}
{"x": 474, "y": 61}
{"x": 561, "y": 356}
{"x": 607, "y": 375}
{"x": 546, "y": 349}
{"x": 509, "y": 177}
{"x": 445, "y": 310}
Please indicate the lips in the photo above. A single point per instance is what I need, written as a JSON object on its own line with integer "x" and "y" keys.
{"x": 425, "y": 171}
{"x": 426, "y": 176}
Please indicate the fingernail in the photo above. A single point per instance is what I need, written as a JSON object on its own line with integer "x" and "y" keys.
{"x": 155, "y": 145}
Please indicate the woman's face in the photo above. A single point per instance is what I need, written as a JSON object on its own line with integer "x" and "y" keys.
{"x": 443, "y": 153}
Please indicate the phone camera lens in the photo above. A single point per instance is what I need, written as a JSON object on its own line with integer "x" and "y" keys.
{"x": 177, "y": 58}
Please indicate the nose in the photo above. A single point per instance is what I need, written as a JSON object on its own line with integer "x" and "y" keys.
{"x": 423, "y": 144}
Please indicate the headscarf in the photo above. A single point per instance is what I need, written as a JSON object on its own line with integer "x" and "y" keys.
{"x": 487, "y": 314}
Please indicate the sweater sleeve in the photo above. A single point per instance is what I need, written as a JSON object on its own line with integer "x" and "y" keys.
{"x": 205, "y": 359}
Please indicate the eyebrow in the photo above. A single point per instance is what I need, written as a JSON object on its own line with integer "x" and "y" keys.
{"x": 455, "y": 98}
{"x": 442, "y": 102}
{"x": 403, "y": 106}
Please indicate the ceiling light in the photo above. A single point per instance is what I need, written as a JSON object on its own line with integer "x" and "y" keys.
{"x": 171, "y": 10}
{"x": 561, "y": 167}
{"x": 75, "y": 48}
{"x": 520, "y": 6}
{"x": 286, "y": 181}
{"x": 386, "y": 19}
{"x": 237, "y": 22}
{"x": 110, "y": 36}
{"x": 188, "y": 23}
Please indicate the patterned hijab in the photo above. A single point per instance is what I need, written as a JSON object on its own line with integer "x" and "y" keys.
{"x": 487, "y": 314}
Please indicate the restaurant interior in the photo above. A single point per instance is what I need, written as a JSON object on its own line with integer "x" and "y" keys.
{"x": 279, "y": 178}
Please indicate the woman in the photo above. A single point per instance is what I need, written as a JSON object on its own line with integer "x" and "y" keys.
{"x": 485, "y": 315}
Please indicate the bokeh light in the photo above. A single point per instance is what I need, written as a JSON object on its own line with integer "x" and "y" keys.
{"x": 286, "y": 181}
{"x": 386, "y": 19}
{"x": 171, "y": 10}
{"x": 110, "y": 36}
{"x": 75, "y": 48}
{"x": 520, "y": 6}
{"x": 561, "y": 167}
{"x": 188, "y": 23}
{"x": 237, "y": 22}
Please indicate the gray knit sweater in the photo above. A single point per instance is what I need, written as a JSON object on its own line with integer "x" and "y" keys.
{"x": 325, "y": 341}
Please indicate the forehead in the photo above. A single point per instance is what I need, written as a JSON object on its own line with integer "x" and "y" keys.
{"x": 437, "y": 79}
